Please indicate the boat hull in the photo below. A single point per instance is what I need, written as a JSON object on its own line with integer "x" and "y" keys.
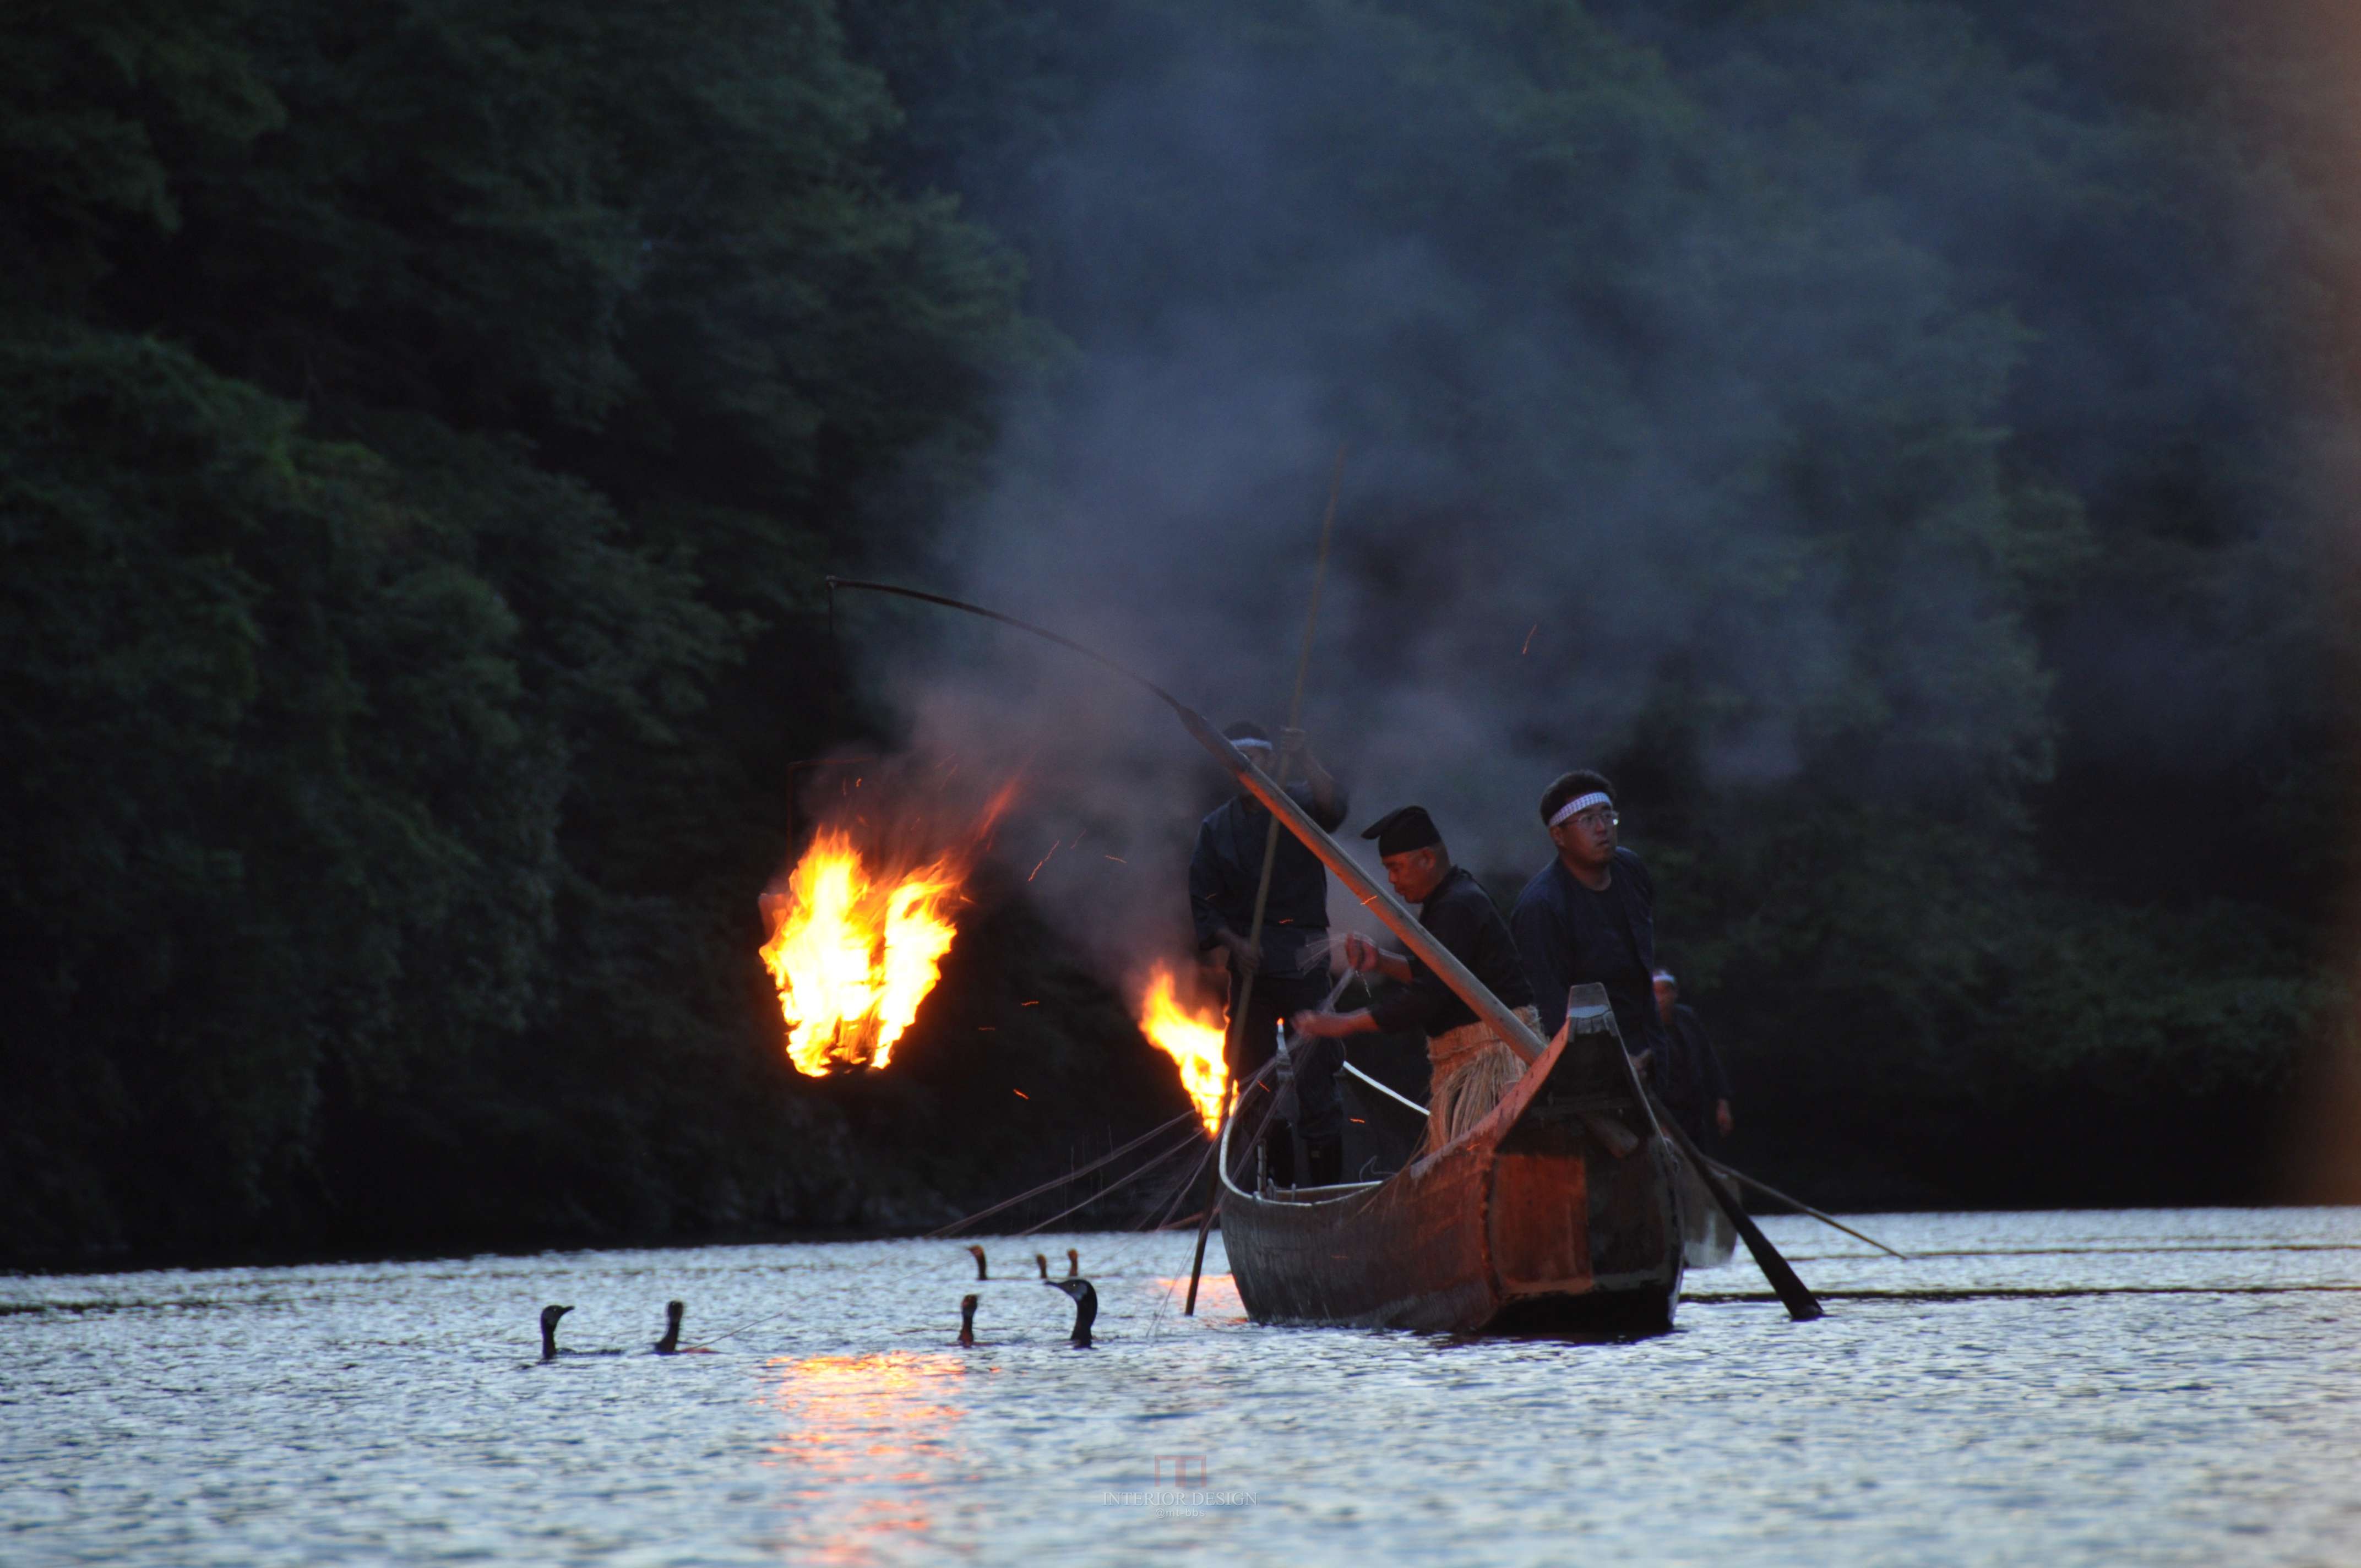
{"x": 1559, "y": 1214}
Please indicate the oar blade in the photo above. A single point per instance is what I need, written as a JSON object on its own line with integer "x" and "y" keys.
{"x": 1794, "y": 1294}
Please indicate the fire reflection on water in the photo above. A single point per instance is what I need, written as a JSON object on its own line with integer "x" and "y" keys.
{"x": 865, "y": 1438}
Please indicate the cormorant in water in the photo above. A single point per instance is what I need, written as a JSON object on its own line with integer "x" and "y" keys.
{"x": 670, "y": 1344}
{"x": 1086, "y": 1309}
{"x": 1042, "y": 1262}
{"x": 549, "y": 1351}
{"x": 1074, "y": 1264}
{"x": 549, "y": 1316}
{"x": 979, "y": 1262}
{"x": 967, "y": 1321}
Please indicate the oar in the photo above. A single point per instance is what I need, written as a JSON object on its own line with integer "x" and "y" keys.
{"x": 1797, "y": 1204}
{"x": 1801, "y": 1304}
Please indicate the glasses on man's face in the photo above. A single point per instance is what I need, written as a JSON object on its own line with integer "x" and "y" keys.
{"x": 1597, "y": 818}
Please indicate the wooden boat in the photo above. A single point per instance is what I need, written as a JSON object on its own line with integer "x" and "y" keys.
{"x": 1561, "y": 1212}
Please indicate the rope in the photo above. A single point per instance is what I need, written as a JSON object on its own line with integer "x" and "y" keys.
{"x": 1114, "y": 1186}
{"x": 1165, "y": 1208}
{"x": 708, "y": 1343}
{"x": 1057, "y": 1181}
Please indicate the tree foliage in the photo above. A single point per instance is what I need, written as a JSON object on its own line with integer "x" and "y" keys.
{"x": 422, "y": 425}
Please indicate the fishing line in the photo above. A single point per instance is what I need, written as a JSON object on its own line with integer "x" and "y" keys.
{"x": 741, "y": 1328}
{"x": 1057, "y": 1181}
{"x": 1126, "y": 1180}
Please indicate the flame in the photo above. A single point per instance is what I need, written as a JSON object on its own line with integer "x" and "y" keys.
{"x": 853, "y": 952}
{"x": 1192, "y": 1039}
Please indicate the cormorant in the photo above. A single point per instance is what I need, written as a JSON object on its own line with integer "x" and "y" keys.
{"x": 978, "y": 1251}
{"x": 549, "y": 1316}
{"x": 1086, "y": 1309}
{"x": 1074, "y": 1264}
{"x": 967, "y": 1321}
{"x": 1042, "y": 1262}
{"x": 670, "y": 1344}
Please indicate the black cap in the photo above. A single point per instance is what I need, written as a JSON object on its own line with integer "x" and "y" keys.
{"x": 1399, "y": 832}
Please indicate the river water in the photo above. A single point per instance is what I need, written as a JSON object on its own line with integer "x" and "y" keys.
{"x": 2162, "y": 1386}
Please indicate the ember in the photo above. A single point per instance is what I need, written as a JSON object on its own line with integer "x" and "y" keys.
{"x": 853, "y": 952}
{"x": 1192, "y": 1039}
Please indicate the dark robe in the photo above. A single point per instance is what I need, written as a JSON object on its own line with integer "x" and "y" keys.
{"x": 1226, "y": 865}
{"x": 1224, "y": 869}
{"x": 1460, "y": 915}
{"x": 1570, "y": 935}
{"x": 1694, "y": 1078}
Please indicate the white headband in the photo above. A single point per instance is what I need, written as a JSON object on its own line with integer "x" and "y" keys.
{"x": 1242, "y": 745}
{"x": 1580, "y": 805}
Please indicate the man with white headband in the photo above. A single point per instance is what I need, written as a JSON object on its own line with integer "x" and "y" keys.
{"x": 1291, "y": 965}
{"x": 1589, "y": 916}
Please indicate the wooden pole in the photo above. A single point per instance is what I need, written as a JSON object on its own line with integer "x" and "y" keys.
{"x": 1374, "y": 895}
{"x": 1262, "y": 888}
{"x": 1794, "y": 1294}
{"x": 1798, "y": 1204}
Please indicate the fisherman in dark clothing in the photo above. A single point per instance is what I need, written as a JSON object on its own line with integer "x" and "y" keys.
{"x": 1591, "y": 917}
{"x": 1291, "y": 965}
{"x": 1697, "y": 1090}
{"x": 1473, "y": 1066}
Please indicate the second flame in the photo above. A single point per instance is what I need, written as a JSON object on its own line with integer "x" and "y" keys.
{"x": 1192, "y": 1039}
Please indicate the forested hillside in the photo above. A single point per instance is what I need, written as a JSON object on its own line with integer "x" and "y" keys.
{"x": 423, "y": 427}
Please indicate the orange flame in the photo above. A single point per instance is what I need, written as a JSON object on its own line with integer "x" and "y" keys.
{"x": 853, "y": 953}
{"x": 1192, "y": 1039}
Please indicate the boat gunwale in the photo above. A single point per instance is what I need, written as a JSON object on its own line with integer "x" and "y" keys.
{"x": 1506, "y": 1115}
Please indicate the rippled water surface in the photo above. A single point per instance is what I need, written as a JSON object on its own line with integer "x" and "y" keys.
{"x": 2060, "y": 1389}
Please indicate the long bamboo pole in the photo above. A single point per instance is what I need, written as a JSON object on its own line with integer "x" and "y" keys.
{"x": 1798, "y": 1204}
{"x": 1262, "y": 888}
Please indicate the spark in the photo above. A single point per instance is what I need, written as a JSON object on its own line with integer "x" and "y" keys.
{"x": 1042, "y": 861}
{"x": 1529, "y": 641}
{"x": 1020, "y": 1094}
{"x": 1118, "y": 859}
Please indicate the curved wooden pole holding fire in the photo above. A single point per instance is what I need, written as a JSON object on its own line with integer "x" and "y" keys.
{"x": 1374, "y": 895}
{"x": 1379, "y": 899}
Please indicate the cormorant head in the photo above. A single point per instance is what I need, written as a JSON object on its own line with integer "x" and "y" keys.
{"x": 1074, "y": 1264}
{"x": 967, "y": 1320}
{"x": 977, "y": 1252}
{"x": 549, "y": 1316}
{"x": 1086, "y": 1308}
{"x": 670, "y": 1344}
{"x": 1042, "y": 1262}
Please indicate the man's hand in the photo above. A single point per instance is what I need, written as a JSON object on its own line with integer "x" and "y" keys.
{"x": 1722, "y": 1118}
{"x": 1245, "y": 957}
{"x": 1360, "y": 953}
{"x": 1319, "y": 1025}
